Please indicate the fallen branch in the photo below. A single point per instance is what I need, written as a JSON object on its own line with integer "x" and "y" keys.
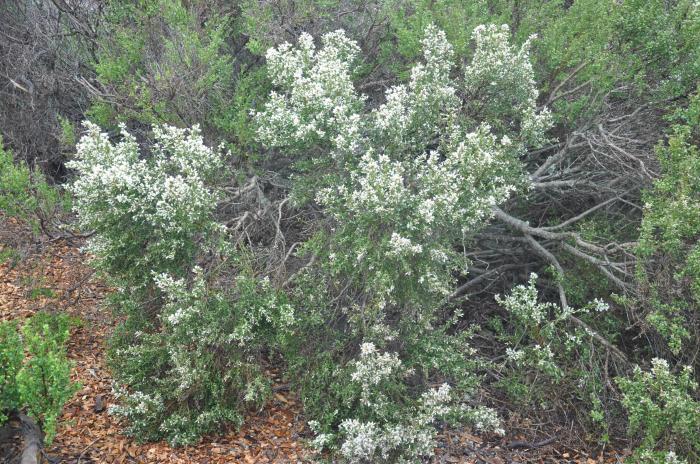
{"x": 459, "y": 291}
{"x": 526, "y": 229}
{"x": 529, "y": 444}
{"x": 33, "y": 441}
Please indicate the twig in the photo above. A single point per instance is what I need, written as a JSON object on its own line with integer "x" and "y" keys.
{"x": 529, "y": 444}
{"x": 82, "y": 453}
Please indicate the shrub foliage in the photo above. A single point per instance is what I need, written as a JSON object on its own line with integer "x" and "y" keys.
{"x": 34, "y": 370}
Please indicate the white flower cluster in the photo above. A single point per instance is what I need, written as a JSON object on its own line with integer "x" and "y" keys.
{"x": 319, "y": 103}
{"x": 600, "y": 306}
{"x": 541, "y": 330}
{"x": 371, "y": 369}
{"x": 396, "y": 443}
{"x": 384, "y": 438}
{"x": 523, "y": 303}
{"x": 411, "y": 115}
{"x": 136, "y": 408}
{"x": 378, "y": 186}
{"x": 672, "y": 458}
{"x": 413, "y": 169}
{"x": 485, "y": 420}
{"x": 505, "y": 76}
{"x": 143, "y": 209}
{"x": 397, "y": 437}
{"x": 514, "y": 355}
{"x": 402, "y": 246}
{"x": 411, "y": 439}
{"x": 177, "y": 312}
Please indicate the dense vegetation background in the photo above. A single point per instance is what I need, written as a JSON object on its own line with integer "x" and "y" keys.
{"x": 427, "y": 213}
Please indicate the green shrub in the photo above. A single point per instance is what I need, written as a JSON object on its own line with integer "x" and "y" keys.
{"x": 379, "y": 400}
{"x": 25, "y": 193}
{"x": 11, "y": 357}
{"x": 151, "y": 217}
{"x": 662, "y": 406}
{"x": 40, "y": 381}
{"x": 201, "y": 369}
{"x": 669, "y": 242}
{"x": 165, "y": 62}
{"x": 662, "y": 410}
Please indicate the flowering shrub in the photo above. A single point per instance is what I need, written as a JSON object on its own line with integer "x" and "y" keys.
{"x": 200, "y": 369}
{"x": 662, "y": 409}
{"x": 417, "y": 174}
{"x": 148, "y": 213}
{"x": 38, "y": 382}
{"x": 404, "y": 186}
{"x": 185, "y": 359}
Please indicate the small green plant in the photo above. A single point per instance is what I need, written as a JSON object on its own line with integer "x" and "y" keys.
{"x": 35, "y": 371}
{"x": 68, "y": 135}
{"x": 11, "y": 356}
{"x": 41, "y": 292}
{"x": 35, "y": 284}
{"x": 9, "y": 255}
{"x": 662, "y": 410}
{"x": 25, "y": 194}
{"x": 544, "y": 355}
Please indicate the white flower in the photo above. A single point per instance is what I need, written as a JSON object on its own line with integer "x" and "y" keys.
{"x": 401, "y": 246}
{"x": 672, "y": 458}
{"x": 514, "y": 355}
{"x": 600, "y": 305}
